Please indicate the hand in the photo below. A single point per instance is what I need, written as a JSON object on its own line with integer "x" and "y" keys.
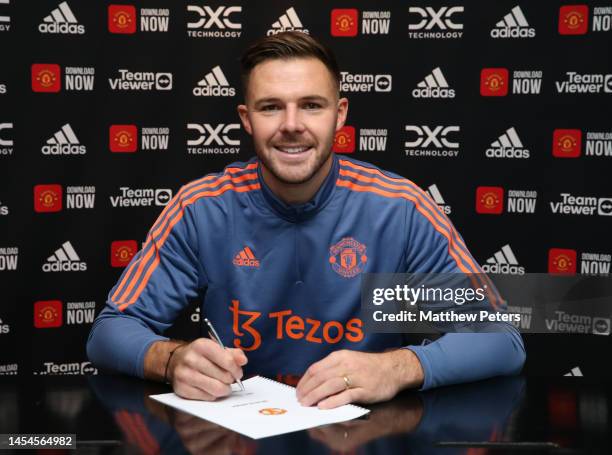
{"x": 373, "y": 377}
{"x": 203, "y": 370}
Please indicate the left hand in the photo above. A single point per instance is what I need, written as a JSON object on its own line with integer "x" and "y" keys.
{"x": 372, "y": 377}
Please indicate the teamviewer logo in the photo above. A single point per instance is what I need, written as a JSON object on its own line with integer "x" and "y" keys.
{"x": 162, "y": 196}
{"x": 382, "y": 83}
{"x": 608, "y": 83}
{"x": 604, "y": 207}
{"x": 601, "y": 326}
{"x": 163, "y": 81}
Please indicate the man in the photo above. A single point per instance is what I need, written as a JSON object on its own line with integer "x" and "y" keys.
{"x": 276, "y": 248}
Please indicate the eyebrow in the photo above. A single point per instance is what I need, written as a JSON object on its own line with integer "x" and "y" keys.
{"x": 317, "y": 98}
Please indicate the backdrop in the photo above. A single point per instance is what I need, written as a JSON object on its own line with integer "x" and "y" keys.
{"x": 500, "y": 110}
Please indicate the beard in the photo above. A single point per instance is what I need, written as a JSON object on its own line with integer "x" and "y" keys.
{"x": 305, "y": 172}
{"x": 290, "y": 178}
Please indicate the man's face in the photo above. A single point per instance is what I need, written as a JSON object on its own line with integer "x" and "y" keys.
{"x": 293, "y": 112}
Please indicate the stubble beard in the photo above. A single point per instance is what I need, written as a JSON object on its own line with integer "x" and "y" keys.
{"x": 288, "y": 179}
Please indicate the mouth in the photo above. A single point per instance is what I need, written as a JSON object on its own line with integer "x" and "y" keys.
{"x": 292, "y": 149}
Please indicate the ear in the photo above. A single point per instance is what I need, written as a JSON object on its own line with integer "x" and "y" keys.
{"x": 243, "y": 112}
{"x": 342, "y": 112}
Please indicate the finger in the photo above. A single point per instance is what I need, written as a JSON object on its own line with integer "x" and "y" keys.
{"x": 340, "y": 399}
{"x": 316, "y": 375}
{"x": 329, "y": 387}
{"x": 311, "y": 377}
{"x": 201, "y": 365}
{"x": 239, "y": 356}
{"x": 190, "y": 392}
{"x": 185, "y": 378}
{"x": 213, "y": 386}
{"x": 220, "y": 356}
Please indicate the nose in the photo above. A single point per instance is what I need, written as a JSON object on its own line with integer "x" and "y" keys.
{"x": 292, "y": 120}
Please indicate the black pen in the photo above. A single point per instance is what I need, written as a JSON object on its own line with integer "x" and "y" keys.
{"x": 213, "y": 334}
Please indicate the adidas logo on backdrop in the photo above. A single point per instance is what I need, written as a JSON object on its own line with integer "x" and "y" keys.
{"x": 61, "y": 20}
{"x": 434, "y": 193}
{"x": 287, "y": 22}
{"x": 513, "y": 25}
{"x": 64, "y": 142}
{"x": 65, "y": 259}
{"x": 214, "y": 84}
{"x": 503, "y": 262}
{"x": 433, "y": 86}
{"x": 574, "y": 372}
{"x": 508, "y": 145}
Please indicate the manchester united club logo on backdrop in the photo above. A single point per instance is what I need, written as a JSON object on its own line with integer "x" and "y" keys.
{"x": 494, "y": 81}
{"x": 348, "y": 257}
{"x": 490, "y": 199}
{"x": 48, "y": 313}
{"x": 344, "y": 22}
{"x": 46, "y": 78}
{"x": 344, "y": 141}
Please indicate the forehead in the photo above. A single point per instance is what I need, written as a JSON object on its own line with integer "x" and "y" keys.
{"x": 289, "y": 78}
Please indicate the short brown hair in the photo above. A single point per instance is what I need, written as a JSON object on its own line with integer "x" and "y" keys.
{"x": 287, "y": 45}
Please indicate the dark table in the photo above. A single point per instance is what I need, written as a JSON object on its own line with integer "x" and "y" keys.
{"x": 113, "y": 414}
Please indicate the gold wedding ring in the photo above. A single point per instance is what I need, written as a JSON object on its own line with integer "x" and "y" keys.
{"x": 347, "y": 381}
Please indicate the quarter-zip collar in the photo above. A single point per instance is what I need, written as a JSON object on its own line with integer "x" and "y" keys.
{"x": 300, "y": 212}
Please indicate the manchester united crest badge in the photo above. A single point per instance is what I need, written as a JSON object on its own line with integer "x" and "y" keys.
{"x": 348, "y": 257}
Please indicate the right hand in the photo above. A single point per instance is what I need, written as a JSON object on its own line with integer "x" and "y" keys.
{"x": 203, "y": 370}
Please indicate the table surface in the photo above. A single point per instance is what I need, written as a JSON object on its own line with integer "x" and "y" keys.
{"x": 113, "y": 414}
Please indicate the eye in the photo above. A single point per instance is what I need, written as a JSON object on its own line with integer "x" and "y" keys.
{"x": 269, "y": 107}
{"x": 312, "y": 105}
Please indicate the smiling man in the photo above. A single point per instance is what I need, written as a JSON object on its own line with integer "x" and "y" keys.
{"x": 275, "y": 249}
{"x": 293, "y": 112}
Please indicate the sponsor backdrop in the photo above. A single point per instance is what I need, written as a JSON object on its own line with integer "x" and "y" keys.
{"x": 500, "y": 110}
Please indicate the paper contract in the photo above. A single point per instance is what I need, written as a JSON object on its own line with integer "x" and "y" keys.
{"x": 265, "y": 408}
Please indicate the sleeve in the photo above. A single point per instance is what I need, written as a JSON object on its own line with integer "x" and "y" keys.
{"x": 434, "y": 246}
{"x": 153, "y": 289}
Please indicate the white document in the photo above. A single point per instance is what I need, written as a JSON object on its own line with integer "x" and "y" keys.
{"x": 265, "y": 408}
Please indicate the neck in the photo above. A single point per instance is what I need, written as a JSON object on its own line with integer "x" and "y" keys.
{"x": 297, "y": 193}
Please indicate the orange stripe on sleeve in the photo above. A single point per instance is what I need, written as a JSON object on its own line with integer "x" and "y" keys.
{"x": 425, "y": 201}
{"x": 436, "y": 211}
{"x": 160, "y": 242}
{"x": 135, "y": 263}
{"x": 155, "y": 232}
{"x": 451, "y": 250}
{"x": 171, "y": 207}
{"x": 437, "y": 225}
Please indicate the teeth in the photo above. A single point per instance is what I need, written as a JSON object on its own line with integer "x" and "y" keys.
{"x": 293, "y": 149}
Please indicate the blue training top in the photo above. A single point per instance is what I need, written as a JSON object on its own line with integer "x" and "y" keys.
{"x": 282, "y": 281}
